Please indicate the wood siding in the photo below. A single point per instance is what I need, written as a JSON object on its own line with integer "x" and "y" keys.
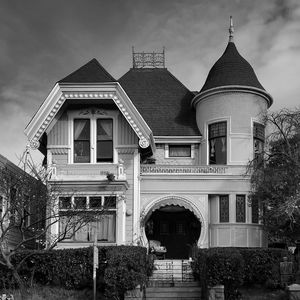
{"x": 126, "y": 136}
{"x": 59, "y": 133}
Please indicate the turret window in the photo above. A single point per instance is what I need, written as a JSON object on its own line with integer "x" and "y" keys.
{"x": 258, "y": 141}
{"x": 217, "y": 136}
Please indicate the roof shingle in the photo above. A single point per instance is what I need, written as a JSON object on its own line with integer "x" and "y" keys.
{"x": 91, "y": 72}
{"x": 231, "y": 69}
{"x": 162, "y": 100}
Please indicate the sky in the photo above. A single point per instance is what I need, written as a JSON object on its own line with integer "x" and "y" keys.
{"x": 42, "y": 41}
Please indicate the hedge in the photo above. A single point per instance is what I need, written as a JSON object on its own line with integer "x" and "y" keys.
{"x": 234, "y": 267}
{"x": 120, "y": 268}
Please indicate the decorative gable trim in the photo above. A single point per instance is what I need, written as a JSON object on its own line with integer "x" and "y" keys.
{"x": 61, "y": 92}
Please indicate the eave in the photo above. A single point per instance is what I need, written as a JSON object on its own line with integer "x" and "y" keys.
{"x": 111, "y": 91}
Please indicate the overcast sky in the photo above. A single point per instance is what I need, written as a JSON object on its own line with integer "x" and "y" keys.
{"x": 43, "y": 41}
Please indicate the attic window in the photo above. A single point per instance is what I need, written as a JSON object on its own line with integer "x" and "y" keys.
{"x": 180, "y": 151}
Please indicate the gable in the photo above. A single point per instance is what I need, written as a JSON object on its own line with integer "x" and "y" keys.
{"x": 62, "y": 92}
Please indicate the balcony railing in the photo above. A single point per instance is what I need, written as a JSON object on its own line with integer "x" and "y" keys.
{"x": 192, "y": 170}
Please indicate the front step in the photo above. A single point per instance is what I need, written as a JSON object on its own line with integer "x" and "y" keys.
{"x": 171, "y": 279}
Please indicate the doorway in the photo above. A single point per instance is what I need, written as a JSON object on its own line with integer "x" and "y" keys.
{"x": 176, "y": 228}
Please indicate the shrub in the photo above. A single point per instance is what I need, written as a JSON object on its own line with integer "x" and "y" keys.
{"x": 120, "y": 268}
{"x": 220, "y": 266}
{"x": 233, "y": 266}
{"x": 126, "y": 268}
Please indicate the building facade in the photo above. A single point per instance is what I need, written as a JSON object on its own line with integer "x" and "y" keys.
{"x": 156, "y": 160}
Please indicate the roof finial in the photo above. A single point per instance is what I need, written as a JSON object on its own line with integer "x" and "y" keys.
{"x": 231, "y": 30}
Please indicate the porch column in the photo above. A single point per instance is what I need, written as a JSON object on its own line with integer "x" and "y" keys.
{"x": 202, "y": 204}
{"x": 120, "y": 220}
{"x": 136, "y": 198}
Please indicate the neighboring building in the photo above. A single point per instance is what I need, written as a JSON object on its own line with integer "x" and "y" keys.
{"x": 179, "y": 157}
{"x": 16, "y": 214}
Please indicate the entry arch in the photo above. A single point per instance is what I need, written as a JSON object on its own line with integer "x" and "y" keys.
{"x": 169, "y": 200}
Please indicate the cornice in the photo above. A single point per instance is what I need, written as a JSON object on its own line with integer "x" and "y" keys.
{"x": 232, "y": 89}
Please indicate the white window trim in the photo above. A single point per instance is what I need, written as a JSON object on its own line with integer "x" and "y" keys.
{"x": 110, "y": 114}
{"x": 228, "y": 128}
{"x": 180, "y": 157}
{"x": 87, "y": 209}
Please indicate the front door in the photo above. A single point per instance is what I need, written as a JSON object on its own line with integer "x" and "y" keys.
{"x": 176, "y": 228}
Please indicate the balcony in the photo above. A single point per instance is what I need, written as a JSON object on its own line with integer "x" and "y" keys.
{"x": 86, "y": 172}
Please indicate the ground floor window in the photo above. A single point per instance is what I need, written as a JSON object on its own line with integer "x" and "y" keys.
{"x": 81, "y": 217}
{"x": 241, "y": 208}
{"x": 224, "y": 208}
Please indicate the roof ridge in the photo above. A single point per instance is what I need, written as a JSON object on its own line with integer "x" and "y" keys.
{"x": 92, "y": 71}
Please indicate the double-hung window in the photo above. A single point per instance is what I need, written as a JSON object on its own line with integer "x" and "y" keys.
{"x": 93, "y": 140}
{"x": 217, "y": 136}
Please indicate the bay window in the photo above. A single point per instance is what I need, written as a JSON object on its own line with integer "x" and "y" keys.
{"x": 217, "y": 136}
{"x": 241, "y": 208}
{"x": 83, "y": 216}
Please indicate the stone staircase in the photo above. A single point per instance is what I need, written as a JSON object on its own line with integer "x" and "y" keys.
{"x": 171, "y": 279}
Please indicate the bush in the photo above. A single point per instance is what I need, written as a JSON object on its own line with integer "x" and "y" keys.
{"x": 126, "y": 268}
{"x": 234, "y": 266}
{"x": 219, "y": 266}
{"x": 120, "y": 268}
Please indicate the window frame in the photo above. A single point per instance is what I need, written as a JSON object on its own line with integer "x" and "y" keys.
{"x": 258, "y": 137}
{"x": 108, "y": 211}
{"x": 237, "y": 220}
{"x": 221, "y": 220}
{"x": 93, "y": 117}
{"x": 209, "y": 124}
{"x": 192, "y": 150}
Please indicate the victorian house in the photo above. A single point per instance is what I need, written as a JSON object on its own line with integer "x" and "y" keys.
{"x": 168, "y": 164}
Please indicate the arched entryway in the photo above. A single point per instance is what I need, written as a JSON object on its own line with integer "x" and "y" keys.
{"x": 177, "y": 222}
{"x": 176, "y": 228}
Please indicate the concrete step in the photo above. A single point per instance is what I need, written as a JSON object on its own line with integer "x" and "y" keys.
{"x": 157, "y": 283}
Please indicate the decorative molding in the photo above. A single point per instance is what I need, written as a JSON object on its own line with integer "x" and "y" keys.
{"x": 59, "y": 151}
{"x": 60, "y": 93}
{"x": 180, "y": 201}
{"x": 166, "y": 169}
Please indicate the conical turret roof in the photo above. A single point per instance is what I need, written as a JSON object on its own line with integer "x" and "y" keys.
{"x": 231, "y": 69}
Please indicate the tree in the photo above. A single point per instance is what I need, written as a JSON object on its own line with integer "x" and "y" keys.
{"x": 30, "y": 209}
{"x": 275, "y": 175}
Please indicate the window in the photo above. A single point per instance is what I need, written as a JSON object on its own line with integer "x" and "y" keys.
{"x": 258, "y": 141}
{"x": 93, "y": 140}
{"x": 255, "y": 211}
{"x": 180, "y": 151}
{"x": 224, "y": 208}
{"x": 91, "y": 218}
{"x": 104, "y": 140}
{"x": 240, "y": 208}
{"x": 81, "y": 140}
{"x": 217, "y": 135}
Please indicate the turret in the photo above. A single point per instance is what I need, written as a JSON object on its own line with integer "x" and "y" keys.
{"x": 229, "y": 108}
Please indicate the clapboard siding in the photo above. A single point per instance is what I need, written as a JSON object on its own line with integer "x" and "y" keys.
{"x": 59, "y": 133}
{"x": 126, "y": 136}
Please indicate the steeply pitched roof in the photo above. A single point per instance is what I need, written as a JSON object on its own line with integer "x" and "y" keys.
{"x": 231, "y": 69}
{"x": 91, "y": 72}
{"x": 162, "y": 100}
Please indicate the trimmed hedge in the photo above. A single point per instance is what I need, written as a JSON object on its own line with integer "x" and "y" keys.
{"x": 120, "y": 268}
{"x": 234, "y": 267}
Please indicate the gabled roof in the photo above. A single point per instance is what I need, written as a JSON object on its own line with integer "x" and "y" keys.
{"x": 231, "y": 69}
{"x": 91, "y": 72}
{"x": 162, "y": 100}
